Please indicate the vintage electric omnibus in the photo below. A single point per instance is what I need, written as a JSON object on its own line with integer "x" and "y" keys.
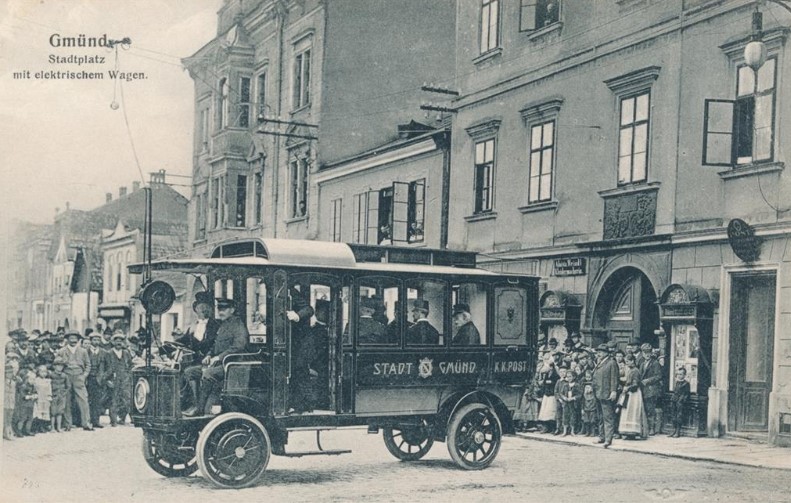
{"x": 417, "y": 390}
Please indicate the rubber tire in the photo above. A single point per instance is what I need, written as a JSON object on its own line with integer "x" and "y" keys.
{"x": 203, "y": 455}
{"x": 387, "y": 434}
{"x": 454, "y": 430}
{"x": 153, "y": 462}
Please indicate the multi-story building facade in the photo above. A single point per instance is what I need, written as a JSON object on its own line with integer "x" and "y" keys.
{"x": 625, "y": 152}
{"x": 29, "y": 285}
{"x": 288, "y": 90}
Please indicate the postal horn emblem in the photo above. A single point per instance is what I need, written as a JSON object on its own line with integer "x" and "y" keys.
{"x": 425, "y": 367}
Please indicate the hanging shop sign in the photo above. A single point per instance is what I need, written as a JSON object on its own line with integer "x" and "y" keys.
{"x": 744, "y": 243}
{"x": 571, "y": 266}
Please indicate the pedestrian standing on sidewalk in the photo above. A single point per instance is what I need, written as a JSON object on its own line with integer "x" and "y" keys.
{"x": 633, "y": 421}
{"x": 651, "y": 382}
{"x": 118, "y": 378}
{"x": 561, "y": 388}
{"x": 77, "y": 367}
{"x": 681, "y": 394}
{"x": 41, "y": 409}
{"x": 60, "y": 389}
{"x": 605, "y": 386}
{"x": 546, "y": 415}
{"x": 96, "y": 389}
{"x": 590, "y": 414}
{"x": 26, "y": 400}
{"x": 571, "y": 398}
{"x": 9, "y": 398}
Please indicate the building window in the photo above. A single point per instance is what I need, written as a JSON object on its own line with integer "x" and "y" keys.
{"x": 490, "y": 25}
{"x": 484, "y": 175}
{"x": 542, "y": 160}
{"x": 360, "y": 218}
{"x": 299, "y": 187}
{"x": 741, "y": 131}
{"x": 536, "y": 14}
{"x": 218, "y": 202}
{"x": 337, "y": 213}
{"x": 633, "y": 138}
{"x": 261, "y": 98}
{"x": 258, "y": 199}
{"x": 204, "y": 129}
{"x": 222, "y": 106}
{"x": 200, "y": 216}
{"x": 301, "y": 97}
{"x": 241, "y": 201}
{"x": 416, "y": 211}
{"x": 244, "y": 102}
{"x": 118, "y": 273}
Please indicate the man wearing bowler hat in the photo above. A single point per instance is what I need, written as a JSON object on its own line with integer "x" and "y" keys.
{"x": 232, "y": 337}
{"x": 467, "y": 333}
{"x": 651, "y": 383}
{"x": 605, "y": 387}
{"x": 77, "y": 368}
{"x": 200, "y": 339}
{"x": 422, "y": 332}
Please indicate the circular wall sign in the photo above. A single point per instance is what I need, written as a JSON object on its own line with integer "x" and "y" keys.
{"x": 745, "y": 244}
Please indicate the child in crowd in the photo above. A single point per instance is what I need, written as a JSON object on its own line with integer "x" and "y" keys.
{"x": 41, "y": 410}
{"x": 59, "y": 388}
{"x": 590, "y": 417}
{"x": 560, "y": 390}
{"x": 25, "y": 402}
{"x": 547, "y": 379}
{"x": 681, "y": 393}
{"x": 11, "y": 369}
{"x": 571, "y": 399}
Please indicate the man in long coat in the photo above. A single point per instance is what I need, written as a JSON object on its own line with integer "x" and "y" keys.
{"x": 96, "y": 388}
{"x": 200, "y": 339}
{"x": 605, "y": 387}
{"x": 369, "y": 331}
{"x": 467, "y": 334}
{"x": 651, "y": 382}
{"x": 302, "y": 352}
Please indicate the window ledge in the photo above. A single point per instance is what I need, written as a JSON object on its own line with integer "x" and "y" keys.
{"x": 542, "y": 33}
{"x": 486, "y": 56}
{"x": 629, "y": 189}
{"x": 199, "y": 241}
{"x": 489, "y": 215}
{"x": 536, "y": 207}
{"x": 296, "y": 219}
{"x": 752, "y": 169}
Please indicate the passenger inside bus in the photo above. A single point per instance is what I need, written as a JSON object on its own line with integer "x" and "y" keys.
{"x": 422, "y": 332}
{"x": 466, "y": 332}
{"x": 370, "y": 331}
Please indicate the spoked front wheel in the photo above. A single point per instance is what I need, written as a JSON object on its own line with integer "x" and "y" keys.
{"x": 169, "y": 457}
{"x": 408, "y": 443}
{"x": 474, "y": 436}
{"x": 233, "y": 450}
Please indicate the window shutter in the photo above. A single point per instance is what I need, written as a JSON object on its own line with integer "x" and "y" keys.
{"x": 527, "y": 13}
{"x": 718, "y": 133}
{"x": 399, "y": 217}
{"x": 373, "y": 217}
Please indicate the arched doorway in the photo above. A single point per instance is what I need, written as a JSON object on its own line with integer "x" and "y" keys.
{"x": 626, "y": 308}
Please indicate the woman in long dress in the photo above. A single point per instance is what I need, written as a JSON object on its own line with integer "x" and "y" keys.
{"x": 548, "y": 411}
{"x": 633, "y": 420}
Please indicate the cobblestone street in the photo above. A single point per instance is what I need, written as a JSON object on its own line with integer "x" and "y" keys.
{"x": 107, "y": 465}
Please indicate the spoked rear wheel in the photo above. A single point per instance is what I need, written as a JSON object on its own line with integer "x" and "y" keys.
{"x": 233, "y": 450}
{"x": 408, "y": 443}
{"x": 474, "y": 436}
{"x": 169, "y": 457}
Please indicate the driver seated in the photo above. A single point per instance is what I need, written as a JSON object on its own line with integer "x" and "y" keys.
{"x": 200, "y": 339}
{"x": 232, "y": 337}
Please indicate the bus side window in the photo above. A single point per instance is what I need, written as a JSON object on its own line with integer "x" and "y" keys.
{"x": 256, "y": 312}
{"x": 510, "y": 315}
{"x": 377, "y": 297}
{"x": 469, "y": 314}
{"x": 346, "y": 315}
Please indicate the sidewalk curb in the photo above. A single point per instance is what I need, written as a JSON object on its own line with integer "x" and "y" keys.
{"x": 688, "y": 457}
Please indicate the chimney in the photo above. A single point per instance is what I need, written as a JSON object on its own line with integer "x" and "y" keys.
{"x": 135, "y": 186}
{"x": 121, "y": 191}
{"x": 108, "y": 196}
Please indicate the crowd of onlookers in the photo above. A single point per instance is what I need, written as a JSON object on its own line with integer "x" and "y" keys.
{"x": 56, "y": 380}
{"x": 604, "y": 392}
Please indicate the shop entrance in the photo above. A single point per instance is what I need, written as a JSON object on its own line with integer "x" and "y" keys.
{"x": 627, "y": 308}
{"x": 751, "y": 351}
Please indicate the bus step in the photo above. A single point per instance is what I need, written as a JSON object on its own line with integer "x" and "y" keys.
{"x": 329, "y": 452}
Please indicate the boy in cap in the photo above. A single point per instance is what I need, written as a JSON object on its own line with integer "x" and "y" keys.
{"x": 118, "y": 379}
{"x": 59, "y": 385}
{"x": 9, "y": 400}
{"x": 41, "y": 409}
{"x": 25, "y": 402}
{"x": 45, "y": 353}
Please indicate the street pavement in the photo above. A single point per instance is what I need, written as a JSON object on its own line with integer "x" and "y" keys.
{"x": 107, "y": 466}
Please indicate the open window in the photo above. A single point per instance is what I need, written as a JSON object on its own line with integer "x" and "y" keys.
{"x": 741, "y": 131}
{"x": 536, "y": 14}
